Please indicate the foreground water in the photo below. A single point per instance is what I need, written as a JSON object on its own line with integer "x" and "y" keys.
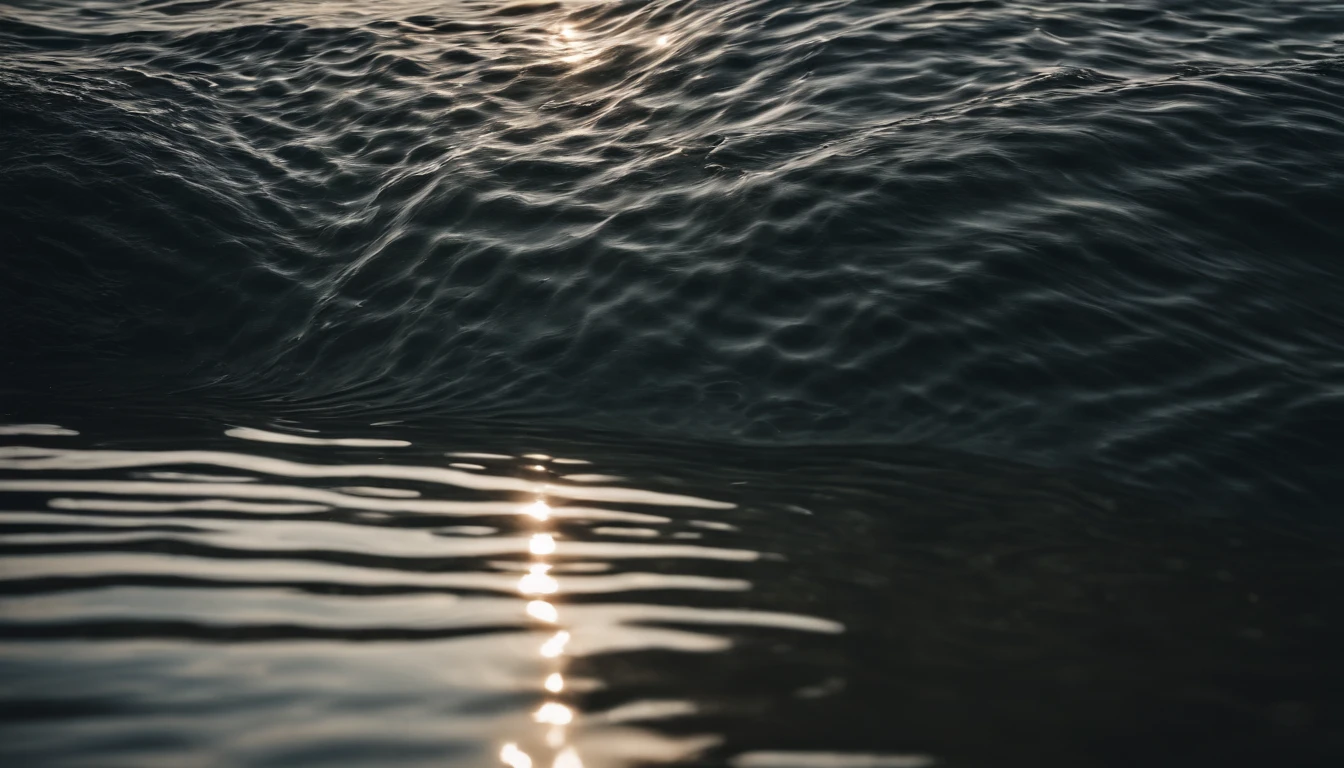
{"x": 465, "y": 595}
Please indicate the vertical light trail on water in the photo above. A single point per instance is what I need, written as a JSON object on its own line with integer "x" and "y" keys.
{"x": 540, "y": 586}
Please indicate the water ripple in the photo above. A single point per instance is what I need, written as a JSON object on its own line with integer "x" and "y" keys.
{"x": 201, "y": 595}
{"x": 1070, "y": 232}
{"x": 1077, "y": 233}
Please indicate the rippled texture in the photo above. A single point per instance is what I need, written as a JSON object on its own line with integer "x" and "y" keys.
{"x": 1082, "y": 234}
{"x": 477, "y": 383}
{"x": 390, "y": 596}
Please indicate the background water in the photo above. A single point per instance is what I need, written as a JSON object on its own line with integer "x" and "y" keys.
{"x": 737, "y": 236}
{"x": 1102, "y": 234}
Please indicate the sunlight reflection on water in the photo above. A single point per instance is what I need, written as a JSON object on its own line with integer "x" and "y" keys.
{"x": 508, "y": 614}
{"x": 328, "y": 522}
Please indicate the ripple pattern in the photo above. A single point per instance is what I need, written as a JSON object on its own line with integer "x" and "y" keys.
{"x": 329, "y": 595}
{"x": 256, "y": 609}
{"x": 1078, "y": 233}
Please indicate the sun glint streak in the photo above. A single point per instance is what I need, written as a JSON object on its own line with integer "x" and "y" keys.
{"x": 514, "y": 757}
{"x": 542, "y": 544}
{"x": 538, "y": 581}
{"x": 567, "y": 758}
{"x": 543, "y": 611}
{"x": 555, "y": 683}
{"x": 552, "y": 713}
{"x": 555, "y": 646}
{"x": 539, "y": 509}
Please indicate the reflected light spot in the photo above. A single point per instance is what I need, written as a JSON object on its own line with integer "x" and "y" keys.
{"x": 552, "y": 713}
{"x": 263, "y": 436}
{"x": 45, "y": 430}
{"x": 567, "y": 759}
{"x": 543, "y": 611}
{"x": 555, "y": 683}
{"x": 539, "y": 509}
{"x": 663, "y": 41}
{"x": 556, "y": 645}
{"x": 538, "y": 581}
{"x": 542, "y": 544}
{"x": 568, "y": 32}
{"x": 514, "y": 757}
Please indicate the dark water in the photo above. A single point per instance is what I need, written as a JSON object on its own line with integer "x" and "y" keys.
{"x": 1034, "y": 309}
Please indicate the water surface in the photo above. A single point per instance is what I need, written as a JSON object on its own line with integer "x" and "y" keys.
{"x": 401, "y": 595}
{"x": 697, "y": 382}
{"x": 1080, "y": 234}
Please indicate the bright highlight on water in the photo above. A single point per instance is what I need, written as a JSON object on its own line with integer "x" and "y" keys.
{"x": 626, "y": 383}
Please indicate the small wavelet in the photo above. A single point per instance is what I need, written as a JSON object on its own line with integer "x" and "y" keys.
{"x": 43, "y": 430}
{"x": 246, "y": 433}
